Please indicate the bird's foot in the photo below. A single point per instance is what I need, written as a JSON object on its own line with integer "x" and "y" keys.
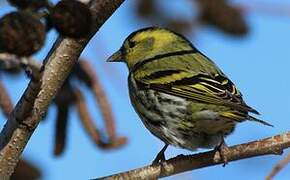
{"x": 223, "y": 150}
{"x": 160, "y": 156}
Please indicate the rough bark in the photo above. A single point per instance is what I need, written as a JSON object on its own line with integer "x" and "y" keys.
{"x": 41, "y": 90}
{"x": 272, "y": 145}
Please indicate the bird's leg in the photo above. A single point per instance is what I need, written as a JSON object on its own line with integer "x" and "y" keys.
{"x": 160, "y": 156}
{"x": 222, "y": 149}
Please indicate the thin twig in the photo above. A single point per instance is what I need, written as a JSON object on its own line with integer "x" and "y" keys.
{"x": 91, "y": 129}
{"x": 40, "y": 92}
{"x": 272, "y": 145}
{"x": 277, "y": 168}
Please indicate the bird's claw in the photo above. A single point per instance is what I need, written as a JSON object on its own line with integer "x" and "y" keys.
{"x": 160, "y": 156}
{"x": 223, "y": 149}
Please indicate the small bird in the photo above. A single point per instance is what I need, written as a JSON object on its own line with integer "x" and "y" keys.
{"x": 181, "y": 96}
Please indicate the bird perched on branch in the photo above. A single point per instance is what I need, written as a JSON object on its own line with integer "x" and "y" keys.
{"x": 181, "y": 96}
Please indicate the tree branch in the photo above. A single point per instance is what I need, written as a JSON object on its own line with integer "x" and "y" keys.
{"x": 40, "y": 92}
{"x": 272, "y": 145}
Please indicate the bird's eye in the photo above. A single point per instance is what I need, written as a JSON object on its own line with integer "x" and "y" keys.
{"x": 132, "y": 44}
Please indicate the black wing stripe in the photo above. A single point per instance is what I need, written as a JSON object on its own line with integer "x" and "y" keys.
{"x": 217, "y": 85}
{"x": 160, "y": 74}
{"x": 160, "y": 56}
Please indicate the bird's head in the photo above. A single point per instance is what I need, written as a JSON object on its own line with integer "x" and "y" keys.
{"x": 148, "y": 43}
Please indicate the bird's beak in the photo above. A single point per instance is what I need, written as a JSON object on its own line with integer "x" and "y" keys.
{"x": 116, "y": 57}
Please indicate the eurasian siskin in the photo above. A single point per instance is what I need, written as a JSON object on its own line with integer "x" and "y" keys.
{"x": 181, "y": 96}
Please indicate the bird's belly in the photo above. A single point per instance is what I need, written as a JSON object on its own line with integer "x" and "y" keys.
{"x": 165, "y": 117}
{"x": 171, "y": 119}
{"x": 160, "y": 113}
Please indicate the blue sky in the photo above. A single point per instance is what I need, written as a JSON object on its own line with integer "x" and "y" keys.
{"x": 258, "y": 64}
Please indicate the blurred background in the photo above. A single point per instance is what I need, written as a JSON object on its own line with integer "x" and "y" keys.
{"x": 248, "y": 40}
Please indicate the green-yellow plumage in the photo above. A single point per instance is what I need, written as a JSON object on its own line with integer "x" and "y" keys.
{"x": 181, "y": 96}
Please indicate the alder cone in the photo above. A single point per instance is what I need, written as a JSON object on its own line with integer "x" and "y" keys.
{"x": 71, "y": 18}
{"x": 23, "y": 4}
{"x": 21, "y": 33}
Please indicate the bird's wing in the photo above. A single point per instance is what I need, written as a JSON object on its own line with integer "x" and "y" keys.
{"x": 202, "y": 85}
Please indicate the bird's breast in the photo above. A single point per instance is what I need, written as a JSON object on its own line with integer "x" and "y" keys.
{"x": 170, "y": 118}
{"x": 155, "y": 105}
{"x": 162, "y": 114}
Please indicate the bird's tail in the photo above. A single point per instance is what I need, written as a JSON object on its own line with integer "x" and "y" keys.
{"x": 251, "y": 118}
